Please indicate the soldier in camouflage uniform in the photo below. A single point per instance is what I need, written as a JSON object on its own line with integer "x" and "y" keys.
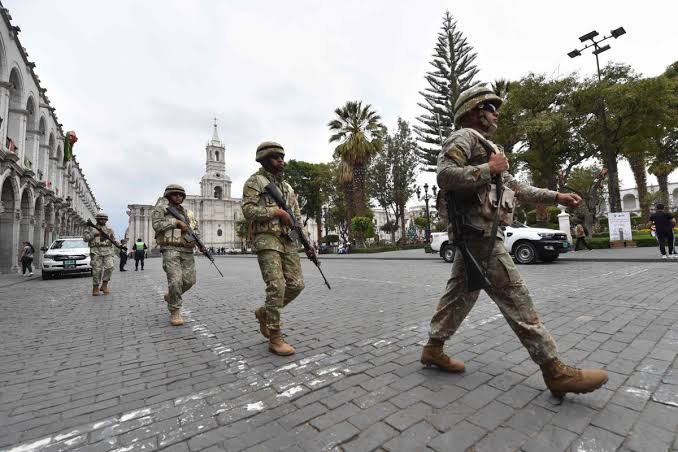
{"x": 101, "y": 254}
{"x": 177, "y": 251}
{"x": 277, "y": 253}
{"x": 463, "y": 167}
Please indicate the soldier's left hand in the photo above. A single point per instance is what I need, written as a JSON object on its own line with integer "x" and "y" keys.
{"x": 568, "y": 199}
{"x": 310, "y": 253}
{"x": 203, "y": 250}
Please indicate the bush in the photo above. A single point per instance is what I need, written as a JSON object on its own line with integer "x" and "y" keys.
{"x": 604, "y": 224}
{"x": 553, "y": 213}
{"x": 381, "y": 249}
{"x": 531, "y": 217}
{"x": 637, "y": 221}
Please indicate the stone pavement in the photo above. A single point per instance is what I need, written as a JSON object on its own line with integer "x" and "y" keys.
{"x": 110, "y": 373}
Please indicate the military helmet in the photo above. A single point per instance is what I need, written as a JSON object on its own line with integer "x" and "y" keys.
{"x": 174, "y": 188}
{"x": 101, "y": 214}
{"x": 268, "y": 148}
{"x": 469, "y": 99}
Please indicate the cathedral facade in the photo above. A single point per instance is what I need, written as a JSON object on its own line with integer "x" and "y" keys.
{"x": 215, "y": 209}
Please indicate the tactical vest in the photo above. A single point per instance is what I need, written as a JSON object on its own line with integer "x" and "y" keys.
{"x": 139, "y": 246}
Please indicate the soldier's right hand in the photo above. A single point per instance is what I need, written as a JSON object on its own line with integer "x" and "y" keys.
{"x": 498, "y": 163}
{"x": 96, "y": 233}
{"x": 183, "y": 226}
{"x": 284, "y": 217}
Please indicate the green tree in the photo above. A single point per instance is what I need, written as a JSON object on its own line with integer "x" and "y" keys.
{"x": 588, "y": 182}
{"x": 544, "y": 129}
{"x": 393, "y": 173}
{"x": 358, "y": 130}
{"x": 664, "y": 139}
{"x": 454, "y": 71}
{"x": 241, "y": 230}
{"x": 312, "y": 183}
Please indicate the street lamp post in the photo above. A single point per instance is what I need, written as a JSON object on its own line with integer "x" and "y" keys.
{"x": 426, "y": 199}
{"x": 610, "y": 157}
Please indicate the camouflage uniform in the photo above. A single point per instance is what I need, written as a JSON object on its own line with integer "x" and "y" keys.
{"x": 277, "y": 254}
{"x": 101, "y": 254}
{"x": 177, "y": 252}
{"x": 462, "y": 166}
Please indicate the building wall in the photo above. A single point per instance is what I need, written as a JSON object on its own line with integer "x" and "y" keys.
{"x": 630, "y": 202}
{"x": 41, "y": 198}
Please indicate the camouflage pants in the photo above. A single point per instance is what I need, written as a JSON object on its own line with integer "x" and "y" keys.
{"x": 509, "y": 293}
{"x": 284, "y": 282}
{"x": 102, "y": 268}
{"x": 180, "y": 269}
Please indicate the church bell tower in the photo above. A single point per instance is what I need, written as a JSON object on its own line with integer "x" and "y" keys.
{"x": 215, "y": 183}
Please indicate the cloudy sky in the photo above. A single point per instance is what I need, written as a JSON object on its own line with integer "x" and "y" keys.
{"x": 140, "y": 81}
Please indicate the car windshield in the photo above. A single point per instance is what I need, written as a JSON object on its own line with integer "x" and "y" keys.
{"x": 518, "y": 224}
{"x": 69, "y": 244}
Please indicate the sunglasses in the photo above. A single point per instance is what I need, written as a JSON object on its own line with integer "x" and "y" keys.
{"x": 488, "y": 107}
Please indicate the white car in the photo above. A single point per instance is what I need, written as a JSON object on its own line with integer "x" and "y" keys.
{"x": 66, "y": 255}
{"x": 526, "y": 244}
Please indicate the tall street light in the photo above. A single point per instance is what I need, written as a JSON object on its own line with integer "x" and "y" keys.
{"x": 610, "y": 157}
{"x": 426, "y": 199}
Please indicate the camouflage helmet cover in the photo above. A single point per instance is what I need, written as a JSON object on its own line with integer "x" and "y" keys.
{"x": 174, "y": 188}
{"x": 469, "y": 99}
{"x": 101, "y": 214}
{"x": 268, "y": 148}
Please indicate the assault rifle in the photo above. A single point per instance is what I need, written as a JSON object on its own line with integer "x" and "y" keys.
{"x": 473, "y": 272}
{"x": 190, "y": 235}
{"x": 104, "y": 235}
{"x": 273, "y": 191}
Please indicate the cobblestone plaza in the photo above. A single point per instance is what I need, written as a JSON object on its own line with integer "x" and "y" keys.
{"x": 110, "y": 373}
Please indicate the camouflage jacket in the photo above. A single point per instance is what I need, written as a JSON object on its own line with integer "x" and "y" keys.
{"x": 463, "y": 167}
{"x": 97, "y": 245}
{"x": 167, "y": 234}
{"x": 258, "y": 208}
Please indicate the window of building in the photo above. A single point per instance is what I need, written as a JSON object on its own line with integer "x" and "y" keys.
{"x": 216, "y": 154}
{"x": 219, "y": 232}
{"x": 218, "y": 192}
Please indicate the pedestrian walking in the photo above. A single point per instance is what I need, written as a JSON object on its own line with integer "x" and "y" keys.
{"x": 27, "y": 259}
{"x": 123, "y": 255}
{"x": 277, "y": 251}
{"x": 176, "y": 248}
{"x": 664, "y": 224}
{"x": 101, "y": 242}
{"x": 580, "y": 233}
{"x": 466, "y": 168}
{"x": 139, "y": 254}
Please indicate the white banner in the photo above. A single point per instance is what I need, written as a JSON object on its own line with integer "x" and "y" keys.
{"x": 620, "y": 226}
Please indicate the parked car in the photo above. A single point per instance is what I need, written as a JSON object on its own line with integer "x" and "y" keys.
{"x": 527, "y": 245}
{"x": 66, "y": 255}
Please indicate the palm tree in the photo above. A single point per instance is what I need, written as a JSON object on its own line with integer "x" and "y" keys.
{"x": 358, "y": 130}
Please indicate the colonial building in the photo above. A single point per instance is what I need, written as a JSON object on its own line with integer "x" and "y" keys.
{"x": 41, "y": 196}
{"x": 631, "y": 203}
{"x": 215, "y": 209}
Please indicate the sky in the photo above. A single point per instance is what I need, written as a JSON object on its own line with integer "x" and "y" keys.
{"x": 141, "y": 81}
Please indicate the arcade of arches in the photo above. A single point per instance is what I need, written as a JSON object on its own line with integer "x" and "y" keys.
{"x": 41, "y": 196}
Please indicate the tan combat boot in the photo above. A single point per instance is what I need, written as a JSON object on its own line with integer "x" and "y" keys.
{"x": 95, "y": 291}
{"x": 175, "y": 318}
{"x": 277, "y": 345}
{"x": 260, "y": 314}
{"x": 433, "y": 355}
{"x": 104, "y": 288}
{"x": 561, "y": 378}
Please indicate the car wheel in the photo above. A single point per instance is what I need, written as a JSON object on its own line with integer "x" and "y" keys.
{"x": 525, "y": 253}
{"x": 447, "y": 252}
{"x": 548, "y": 258}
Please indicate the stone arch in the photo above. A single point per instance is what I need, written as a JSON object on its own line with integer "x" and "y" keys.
{"x": 218, "y": 192}
{"x": 16, "y": 95}
{"x": 49, "y": 224}
{"x": 629, "y": 202}
{"x": 38, "y": 225}
{"x": 9, "y": 194}
{"x": 51, "y": 167}
{"x": 26, "y": 215}
{"x": 31, "y": 119}
{"x": 216, "y": 155}
{"x": 59, "y": 176}
{"x": 3, "y": 60}
{"x": 43, "y": 153}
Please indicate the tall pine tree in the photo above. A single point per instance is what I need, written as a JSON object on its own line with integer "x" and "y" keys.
{"x": 454, "y": 72}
